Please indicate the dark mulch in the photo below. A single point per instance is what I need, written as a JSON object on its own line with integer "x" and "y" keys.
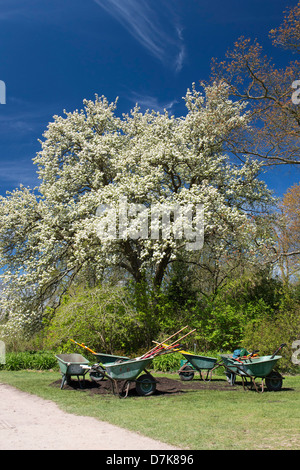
{"x": 164, "y": 386}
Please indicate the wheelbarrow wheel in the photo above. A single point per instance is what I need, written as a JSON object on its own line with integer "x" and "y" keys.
{"x": 274, "y": 381}
{"x": 145, "y": 385}
{"x": 186, "y": 373}
{"x": 97, "y": 375}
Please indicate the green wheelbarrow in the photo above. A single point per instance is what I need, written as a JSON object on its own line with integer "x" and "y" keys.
{"x": 129, "y": 371}
{"x": 97, "y": 373}
{"x": 194, "y": 363}
{"x": 262, "y": 367}
{"x": 71, "y": 364}
{"x": 251, "y": 368}
{"x": 104, "y": 359}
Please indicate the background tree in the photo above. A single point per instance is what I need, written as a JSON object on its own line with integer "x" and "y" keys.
{"x": 90, "y": 158}
{"x": 287, "y": 35}
{"x": 253, "y": 77}
{"x": 288, "y": 235}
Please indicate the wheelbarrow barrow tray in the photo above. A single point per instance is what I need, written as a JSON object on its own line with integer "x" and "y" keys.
{"x": 232, "y": 365}
{"x": 127, "y": 370}
{"x": 195, "y": 362}
{"x": 109, "y": 358}
{"x": 200, "y": 362}
{"x": 71, "y": 364}
{"x": 103, "y": 359}
{"x": 260, "y": 366}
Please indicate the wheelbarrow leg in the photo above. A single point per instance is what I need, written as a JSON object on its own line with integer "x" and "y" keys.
{"x": 79, "y": 381}
{"x": 125, "y": 390}
{"x": 208, "y": 374}
{"x": 254, "y": 383}
{"x": 115, "y": 387}
{"x": 63, "y": 381}
{"x": 231, "y": 376}
{"x": 243, "y": 383}
{"x": 251, "y": 378}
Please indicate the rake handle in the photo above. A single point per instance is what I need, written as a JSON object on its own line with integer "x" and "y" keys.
{"x": 183, "y": 337}
{"x": 164, "y": 341}
{"x": 83, "y": 346}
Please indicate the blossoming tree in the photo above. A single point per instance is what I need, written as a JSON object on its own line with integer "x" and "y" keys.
{"x": 93, "y": 159}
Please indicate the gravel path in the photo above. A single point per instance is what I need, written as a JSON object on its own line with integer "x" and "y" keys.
{"x": 28, "y": 422}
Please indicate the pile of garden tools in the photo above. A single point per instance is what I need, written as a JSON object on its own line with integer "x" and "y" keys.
{"x": 164, "y": 348}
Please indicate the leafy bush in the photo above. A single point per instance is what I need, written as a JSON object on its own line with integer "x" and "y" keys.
{"x": 167, "y": 362}
{"x": 38, "y": 360}
{"x": 219, "y": 318}
{"x": 267, "y": 333}
{"x": 20, "y": 342}
{"x": 104, "y": 318}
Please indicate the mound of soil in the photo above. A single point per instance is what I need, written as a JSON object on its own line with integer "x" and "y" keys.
{"x": 164, "y": 386}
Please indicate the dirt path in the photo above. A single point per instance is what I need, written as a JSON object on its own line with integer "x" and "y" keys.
{"x": 28, "y": 422}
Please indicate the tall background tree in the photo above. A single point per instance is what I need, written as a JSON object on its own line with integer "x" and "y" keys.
{"x": 253, "y": 77}
{"x": 288, "y": 235}
{"x": 95, "y": 167}
{"x": 90, "y": 158}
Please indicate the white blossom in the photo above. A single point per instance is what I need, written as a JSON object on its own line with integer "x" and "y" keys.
{"x": 92, "y": 157}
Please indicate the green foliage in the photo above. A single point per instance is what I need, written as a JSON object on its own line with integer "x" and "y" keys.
{"x": 177, "y": 300}
{"x": 18, "y": 342}
{"x": 144, "y": 301}
{"x": 104, "y": 318}
{"x": 167, "y": 362}
{"x": 222, "y": 328}
{"x": 37, "y": 360}
{"x": 222, "y": 325}
{"x": 267, "y": 333}
{"x": 251, "y": 288}
{"x": 254, "y": 311}
{"x": 222, "y": 319}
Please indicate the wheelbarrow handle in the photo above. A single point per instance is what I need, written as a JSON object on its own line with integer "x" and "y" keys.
{"x": 277, "y": 350}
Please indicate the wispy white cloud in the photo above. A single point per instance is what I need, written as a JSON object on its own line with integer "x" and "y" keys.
{"x": 151, "y": 102}
{"x": 153, "y": 24}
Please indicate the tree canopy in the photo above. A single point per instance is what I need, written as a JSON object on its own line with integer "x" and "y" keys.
{"x": 272, "y": 93}
{"x": 93, "y": 158}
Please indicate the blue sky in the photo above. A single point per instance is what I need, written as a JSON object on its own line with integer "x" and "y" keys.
{"x": 55, "y": 53}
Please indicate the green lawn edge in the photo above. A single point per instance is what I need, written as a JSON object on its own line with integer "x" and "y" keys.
{"x": 195, "y": 420}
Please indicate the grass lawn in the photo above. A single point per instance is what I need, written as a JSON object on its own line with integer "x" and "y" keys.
{"x": 204, "y": 419}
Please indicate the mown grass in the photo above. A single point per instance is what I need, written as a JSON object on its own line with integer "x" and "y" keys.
{"x": 204, "y": 419}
